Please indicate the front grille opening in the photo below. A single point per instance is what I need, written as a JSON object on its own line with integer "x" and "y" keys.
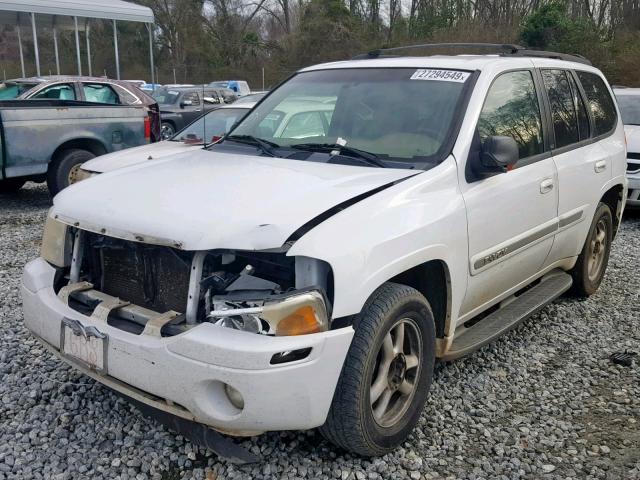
{"x": 151, "y": 276}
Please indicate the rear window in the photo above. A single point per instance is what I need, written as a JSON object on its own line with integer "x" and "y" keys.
{"x": 599, "y": 102}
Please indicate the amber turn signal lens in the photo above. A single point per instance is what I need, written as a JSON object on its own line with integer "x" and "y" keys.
{"x": 301, "y": 322}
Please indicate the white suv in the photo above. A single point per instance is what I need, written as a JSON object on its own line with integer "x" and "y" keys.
{"x": 309, "y": 274}
{"x": 629, "y": 102}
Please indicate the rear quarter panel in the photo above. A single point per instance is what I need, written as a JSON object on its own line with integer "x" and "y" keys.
{"x": 31, "y": 135}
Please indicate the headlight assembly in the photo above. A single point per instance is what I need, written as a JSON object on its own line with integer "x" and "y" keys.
{"x": 299, "y": 313}
{"x": 56, "y": 245}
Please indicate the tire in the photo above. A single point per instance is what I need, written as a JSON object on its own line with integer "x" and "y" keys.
{"x": 61, "y": 169}
{"x": 591, "y": 266}
{"x": 11, "y": 185}
{"x": 351, "y": 423}
{"x": 167, "y": 130}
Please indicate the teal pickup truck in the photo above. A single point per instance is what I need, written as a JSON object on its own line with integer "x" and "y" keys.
{"x": 48, "y": 140}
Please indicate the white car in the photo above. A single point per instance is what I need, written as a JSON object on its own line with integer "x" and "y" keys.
{"x": 629, "y": 103}
{"x": 309, "y": 274}
{"x": 208, "y": 128}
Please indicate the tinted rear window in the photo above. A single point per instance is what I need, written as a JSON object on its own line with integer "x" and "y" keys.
{"x": 599, "y": 102}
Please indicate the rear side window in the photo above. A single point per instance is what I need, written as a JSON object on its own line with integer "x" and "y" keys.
{"x": 599, "y": 101}
{"x": 583, "y": 117}
{"x": 511, "y": 109}
{"x": 563, "y": 110}
{"x": 100, "y": 93}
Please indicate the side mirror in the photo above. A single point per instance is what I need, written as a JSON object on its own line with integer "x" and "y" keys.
{"x": 498, "y": 155}
{"x": 186, "y": 103}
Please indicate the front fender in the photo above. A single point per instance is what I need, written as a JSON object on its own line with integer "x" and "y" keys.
{"x": 420, "y": 219}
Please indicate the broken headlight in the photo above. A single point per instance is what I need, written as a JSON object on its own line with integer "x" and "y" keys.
{"x": 56, "y": 243}
{"x": 298, "y": 313}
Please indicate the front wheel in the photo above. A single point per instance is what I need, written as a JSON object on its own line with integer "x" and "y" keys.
{"x": 593, "y": 260}
{"x": 167, "y": 131}
{"x": 387, "y": 373}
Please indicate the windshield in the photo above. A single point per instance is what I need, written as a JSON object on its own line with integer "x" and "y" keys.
{"x": 9, "y": 91}
{"x": 629, "y": 108}
{"x": 166, "y": 97}
{"x": 210, "y": 127}
{"x": 397, "y": 114}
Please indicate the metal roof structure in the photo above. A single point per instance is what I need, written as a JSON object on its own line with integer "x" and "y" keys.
{"x": 73, "y": 15}
{"x": 107, "y": 10}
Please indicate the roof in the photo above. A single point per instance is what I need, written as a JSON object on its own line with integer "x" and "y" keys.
{"x": 62, "y": 11}
{"x": 462, "y": 62}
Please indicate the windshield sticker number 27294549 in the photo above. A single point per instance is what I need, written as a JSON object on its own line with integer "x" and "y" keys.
{"x": 440, "y": 75}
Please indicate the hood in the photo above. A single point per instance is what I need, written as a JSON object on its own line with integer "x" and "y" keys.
{"x": 633, "y": 138}
{"x": 136, "y": 155}
{"x": 202, "y": 200}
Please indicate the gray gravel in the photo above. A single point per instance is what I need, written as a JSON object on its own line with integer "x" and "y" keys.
{"x": 542, "y": 402}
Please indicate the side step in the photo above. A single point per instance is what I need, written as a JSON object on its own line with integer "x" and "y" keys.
{"x": 467, "y": 340}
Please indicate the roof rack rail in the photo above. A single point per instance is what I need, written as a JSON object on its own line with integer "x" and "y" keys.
{"x": 505, "y": 49}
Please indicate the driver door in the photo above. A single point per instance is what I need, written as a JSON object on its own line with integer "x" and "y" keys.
{"x": 512, "y": 216}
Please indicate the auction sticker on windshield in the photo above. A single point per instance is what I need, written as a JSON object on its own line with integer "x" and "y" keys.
{"x": 440, "y": 75}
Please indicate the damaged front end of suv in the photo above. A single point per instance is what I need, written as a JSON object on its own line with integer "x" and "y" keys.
{"x": 266, "y": 293}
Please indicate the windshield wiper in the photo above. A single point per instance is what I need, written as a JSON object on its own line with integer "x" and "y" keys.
{"x": 264, "y": 146}
{"x": 368, "y": 157}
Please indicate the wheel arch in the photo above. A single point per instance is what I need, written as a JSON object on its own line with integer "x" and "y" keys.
{"x": 433, "y": 280}
{"x": 614, "y": 199}
{"x": 90, "y": 144}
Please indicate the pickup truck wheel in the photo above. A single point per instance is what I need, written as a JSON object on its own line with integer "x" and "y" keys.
{"x": 387, "y": 373}
{"x": 11, "y": 185}
{"x": 168, "y": 130}
{"x": 592, "y": 263}
{"x": 64, "y": 167}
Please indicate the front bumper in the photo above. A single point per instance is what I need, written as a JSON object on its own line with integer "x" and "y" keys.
{"x": 185, "y": 374}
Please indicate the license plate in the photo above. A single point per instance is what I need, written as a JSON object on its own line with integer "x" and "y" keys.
{"x": 84, "y": 343}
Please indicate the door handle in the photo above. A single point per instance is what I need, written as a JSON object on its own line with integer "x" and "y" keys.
{"x": 546, "y": 185}
{"x": 600, "y": 166}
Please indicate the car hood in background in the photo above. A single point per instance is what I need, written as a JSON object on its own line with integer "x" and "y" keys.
{"x": 202, "y": 200}
{"x": 633, "y": 138}
{"x": 136, "y": 155}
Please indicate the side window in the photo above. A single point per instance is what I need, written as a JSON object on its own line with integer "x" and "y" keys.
{"x": 599, "y": 101}
{"x": 100, "y": 93}
{"x": 583, "y": 117}
{"x": 511, "y": 109}
{"x": 126, "y": 96}
{"x": 304, "y": 125}
{"x": 563, "y": 109}
{"x": 193, "y": 97}
{"x": 57, "y": 92}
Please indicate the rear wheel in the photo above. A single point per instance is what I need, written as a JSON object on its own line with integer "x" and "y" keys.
{"x": 386, "y": 375}
{"x": 11, "y": 185}
{"x": 593, "y": 260}
{"x": 64, "y": 167}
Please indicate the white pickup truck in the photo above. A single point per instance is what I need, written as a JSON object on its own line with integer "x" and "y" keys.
{"x": 309, "y": 274}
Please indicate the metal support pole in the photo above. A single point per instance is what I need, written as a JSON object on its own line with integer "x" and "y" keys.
{"x": 75, "y": 21}
{"x": 20, "y": 48}
{"x": 153, "y": 73}
{"x": 55, "y": 48}
{"x": 35, "y": 43}
{"x": 115, "y": 45}
{"x": 87, "y": 34}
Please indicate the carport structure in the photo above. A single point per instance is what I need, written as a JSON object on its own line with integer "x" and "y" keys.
{"x": 73, "y": 15}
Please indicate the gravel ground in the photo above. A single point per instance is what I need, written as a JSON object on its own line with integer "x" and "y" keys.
{"x": 542, "y": 402}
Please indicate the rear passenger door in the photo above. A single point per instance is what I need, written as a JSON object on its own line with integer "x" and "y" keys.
{"x": 583, "y": 116}
{"x": 511, "y": 216}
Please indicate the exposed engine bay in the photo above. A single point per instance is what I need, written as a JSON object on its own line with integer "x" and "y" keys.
{"x": 234, "y": 289}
